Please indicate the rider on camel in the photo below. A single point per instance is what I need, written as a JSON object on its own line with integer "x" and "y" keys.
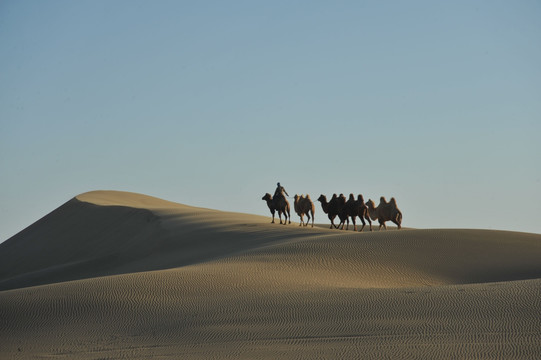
{"x": 280, "y": 191}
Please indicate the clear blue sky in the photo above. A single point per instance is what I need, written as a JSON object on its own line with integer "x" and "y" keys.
{"x": 210, "y": 103}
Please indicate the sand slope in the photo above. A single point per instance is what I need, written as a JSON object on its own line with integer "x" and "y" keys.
{"x": 230, "y": 285}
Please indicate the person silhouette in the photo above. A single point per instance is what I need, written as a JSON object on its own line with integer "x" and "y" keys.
{"x": 280, "y": 191}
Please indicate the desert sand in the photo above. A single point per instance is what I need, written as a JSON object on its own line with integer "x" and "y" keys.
{"x": 117, "y": 275}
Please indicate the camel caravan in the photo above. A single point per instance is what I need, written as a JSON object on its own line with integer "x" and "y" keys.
{"x": 337, "y": 206}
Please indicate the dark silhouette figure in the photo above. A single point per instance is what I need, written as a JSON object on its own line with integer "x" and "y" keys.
{"x": 280, "y": 191}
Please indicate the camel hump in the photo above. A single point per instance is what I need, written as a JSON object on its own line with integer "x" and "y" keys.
{"x": 393, "y": 201}
{"x": 382, "y": 200}
{"x": 308, "y": 196}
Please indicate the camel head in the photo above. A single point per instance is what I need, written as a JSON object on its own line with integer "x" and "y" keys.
{"x": 267, "y": 197}
{"x": 322, "y": 198}
{"x": 372, "y": 210}
{"x": 371, "y": 205}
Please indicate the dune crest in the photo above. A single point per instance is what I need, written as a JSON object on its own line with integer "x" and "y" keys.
{"x": 128, "y": 199}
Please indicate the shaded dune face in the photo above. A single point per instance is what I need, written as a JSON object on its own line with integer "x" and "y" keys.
{"x": 151, "y": 278}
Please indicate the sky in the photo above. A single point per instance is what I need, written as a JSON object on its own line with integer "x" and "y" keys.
{"x": 211, "y": 103}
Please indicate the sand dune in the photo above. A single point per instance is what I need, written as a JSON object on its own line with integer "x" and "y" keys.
{"x": 123, "y": 275}
{"x": 105, "y": 233}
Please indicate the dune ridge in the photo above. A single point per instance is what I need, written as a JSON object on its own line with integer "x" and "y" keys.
{"x": 124, "y": 275}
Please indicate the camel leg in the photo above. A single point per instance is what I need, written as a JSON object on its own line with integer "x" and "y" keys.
{"x": 301, "y": 222}
{"x": 362, "y": 221}
{"x": 369, "y": 221}
{"x": 289, "y": 214}
{"x": 344, "y": 223}
{"x": 272, "y": 222}
{"x": 382, "y": 223}
{"x": 341, "y": 224}
{"x": 312, "y": 219}
{"x": 398, "y": 221}
{"x": 354, "y": 223}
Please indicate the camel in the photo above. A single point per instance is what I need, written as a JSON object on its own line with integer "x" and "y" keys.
{"x": 304, "y": 206}
{"x": 352, "y": 211}
{"x": 325, "y": 206}
{"x": 363, "y": 212}
{"x": 356, "y": 208}
{"x": 342, "y": 211}
{"x": 279, "y": 204}
{"x": 384, "y": 212}
{"x": 333, "y": 208}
